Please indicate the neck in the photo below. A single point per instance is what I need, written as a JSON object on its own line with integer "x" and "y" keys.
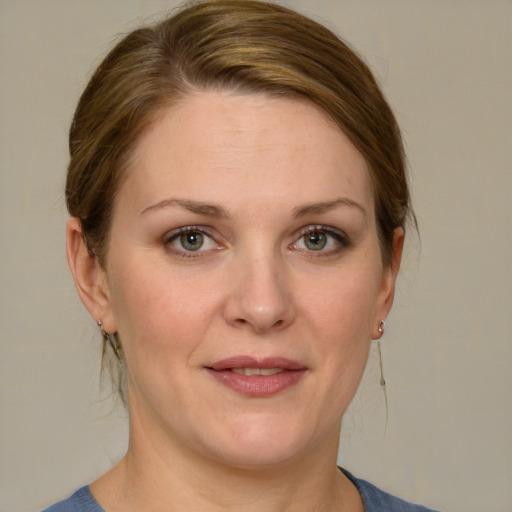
{"x": 159, "y": 475}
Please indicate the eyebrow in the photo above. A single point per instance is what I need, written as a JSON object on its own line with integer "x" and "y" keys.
{"x": 325, "y": 206}
{"x": 208, "y": 210}
{"x": 215, "y": 211}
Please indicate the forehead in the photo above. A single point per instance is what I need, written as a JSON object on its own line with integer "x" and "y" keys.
{"x": 225, "y": 147}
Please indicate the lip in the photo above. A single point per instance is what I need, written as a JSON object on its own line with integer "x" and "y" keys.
{"x": 257, "y": 385}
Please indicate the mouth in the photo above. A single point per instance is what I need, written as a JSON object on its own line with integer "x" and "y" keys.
{"x": 257, "y": 377}
{"x": 257, "y": 371}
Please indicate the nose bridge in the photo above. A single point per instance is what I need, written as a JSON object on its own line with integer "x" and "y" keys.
{"x": 260, "y": 298}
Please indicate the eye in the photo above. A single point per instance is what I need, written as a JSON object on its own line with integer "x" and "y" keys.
{"x": 315, "y": 241}
{"x": 321, "y": 239}
{"x": 190, "y": 240}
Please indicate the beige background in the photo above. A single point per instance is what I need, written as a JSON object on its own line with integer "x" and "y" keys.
{"x": 446, "y": 67}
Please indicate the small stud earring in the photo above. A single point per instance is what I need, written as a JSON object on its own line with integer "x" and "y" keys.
{"x": 380, "y": 328}
{"x": 99, "y": 323}
{"x": 110, "y": 338}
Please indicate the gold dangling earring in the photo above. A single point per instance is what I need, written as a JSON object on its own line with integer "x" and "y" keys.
{"x": 380, "y": 329}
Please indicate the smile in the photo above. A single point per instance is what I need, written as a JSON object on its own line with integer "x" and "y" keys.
{"x": 257, "y": 378}
{"x": 256, "y": 371}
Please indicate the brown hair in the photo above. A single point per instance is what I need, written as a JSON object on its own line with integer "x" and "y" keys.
{"x": 245, "y": 46}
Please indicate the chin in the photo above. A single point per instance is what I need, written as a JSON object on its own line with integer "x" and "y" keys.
{"x": 257, "y": 444}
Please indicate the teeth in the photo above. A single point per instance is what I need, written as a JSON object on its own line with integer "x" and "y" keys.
{"x": 256, "y": 371}
{"x": 270, "y": 371}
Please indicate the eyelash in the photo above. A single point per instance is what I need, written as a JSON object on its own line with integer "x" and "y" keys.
{"x": 340, "y": 239}
{"x": 176, "y": 234}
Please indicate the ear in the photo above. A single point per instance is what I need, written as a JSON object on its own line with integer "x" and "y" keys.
{"x": 89, "y": 276}
{"x": 387, "y": 288}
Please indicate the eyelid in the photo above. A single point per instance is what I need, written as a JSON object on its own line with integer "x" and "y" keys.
{"x": 339, "y": 236}
{"x": 174, "y": 234}
{"x": 337, "y": 233}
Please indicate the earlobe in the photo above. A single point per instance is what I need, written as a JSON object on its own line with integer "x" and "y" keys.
{"x": 88, "y": 275}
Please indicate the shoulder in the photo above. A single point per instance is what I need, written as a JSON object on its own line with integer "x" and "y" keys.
{"x": 376, "y": 500}
{"x": 81, "y": 501}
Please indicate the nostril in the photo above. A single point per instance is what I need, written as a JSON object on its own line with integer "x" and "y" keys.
{"x": 259, "y": 304}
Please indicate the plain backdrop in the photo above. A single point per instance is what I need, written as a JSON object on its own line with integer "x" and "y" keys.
{"x": 446, "y": 67}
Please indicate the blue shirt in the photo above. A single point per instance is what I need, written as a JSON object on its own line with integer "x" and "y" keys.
{"x": 374, "y": 500}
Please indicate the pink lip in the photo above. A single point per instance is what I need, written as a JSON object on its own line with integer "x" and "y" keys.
{"x": 257, "y": 385}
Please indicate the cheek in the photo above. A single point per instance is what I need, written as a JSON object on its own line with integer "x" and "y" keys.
{"x": 343, "y": 305}
{"x": 341, "y": 315}
{"x": 157, "y": 310}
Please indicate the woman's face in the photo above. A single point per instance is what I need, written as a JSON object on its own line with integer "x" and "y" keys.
{"x": 245, "y": 279}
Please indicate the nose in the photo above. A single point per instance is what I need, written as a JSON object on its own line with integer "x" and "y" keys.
{"x": 260, "y": 297}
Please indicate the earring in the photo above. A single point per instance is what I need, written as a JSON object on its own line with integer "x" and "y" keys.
{"x": 110, "y": 338}
{"x": 99, "y": 323}
{"x": 382, "y": 380}
{"x": 380, "y": 329}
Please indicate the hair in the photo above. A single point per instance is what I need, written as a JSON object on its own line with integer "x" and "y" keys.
{"x": 243, "y": 46}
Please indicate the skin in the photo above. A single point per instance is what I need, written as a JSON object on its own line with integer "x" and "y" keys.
{"x": 255, "y": 287}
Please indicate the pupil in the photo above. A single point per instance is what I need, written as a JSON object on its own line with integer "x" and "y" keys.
{"x": 192, "y": 241}
{"x": 316, "y": 241}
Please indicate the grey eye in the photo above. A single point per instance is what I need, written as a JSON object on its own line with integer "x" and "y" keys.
{"x": 192, "y": 240}
{"x": 315, "y": 241}
{"x": 188, "y": 240}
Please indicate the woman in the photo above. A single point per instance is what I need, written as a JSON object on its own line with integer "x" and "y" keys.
{"x": 238, "y": 198}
